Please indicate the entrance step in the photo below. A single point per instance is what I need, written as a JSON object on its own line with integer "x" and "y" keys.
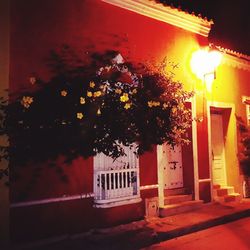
{"x": 175, "y": 191}
{"x": 224, "y": 194}
{"x": 216, "y": 186}
{"x": 173, "y": 199}
{"x": 222, "y": 191}
{"x": 234, "y": 197}
{"x": 178, "y": 208}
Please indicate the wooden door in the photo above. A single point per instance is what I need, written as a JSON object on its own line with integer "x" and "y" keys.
{"x": 218, "y": 150}
{"x": 173, "y": 171}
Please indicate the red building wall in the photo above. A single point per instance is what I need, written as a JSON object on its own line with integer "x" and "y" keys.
{"x": 37, "y": 27}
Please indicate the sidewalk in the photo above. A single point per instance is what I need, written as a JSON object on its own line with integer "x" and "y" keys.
{"x": 146, "y": 232}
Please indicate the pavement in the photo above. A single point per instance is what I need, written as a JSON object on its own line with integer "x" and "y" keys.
{"x": 143, "y": 233}
{"x": 230, "y": 236}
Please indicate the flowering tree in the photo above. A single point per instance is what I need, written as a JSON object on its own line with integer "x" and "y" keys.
{"x": 91, "y": 106}
{"x": 244, "y": 154}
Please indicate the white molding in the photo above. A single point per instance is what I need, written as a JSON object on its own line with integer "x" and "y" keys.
{"x": 246, "y": 102}
{"x": 51, "y": 200}
{"x": 210, "y": 149}
{"x": 160, "y": 174}
{"x": 204, "y": 180}
{"x": 121, "y": 202}
{"x": 221, "y": 105}
{"x": 166, "y": 14}
{"x": 195, "y": 150}
{"x": 234, "y": 58}
{"x": 146, "y": 187}
{"x": 236, "y": 62}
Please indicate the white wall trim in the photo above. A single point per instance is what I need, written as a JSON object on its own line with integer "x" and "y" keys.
{"x": 166, "y": 14}
{"x": 234, "y": 59}
{"x": 146, "y": 187}
{"x": 66, "y": 198}
{"x": 204, "y": 180}
{"x": 195, "y": 150}
{"x": 236, "y": 62}
{"x": 52, "y": 200}
{"x": 160, "y": 175}
{"x": 121, "y": 202}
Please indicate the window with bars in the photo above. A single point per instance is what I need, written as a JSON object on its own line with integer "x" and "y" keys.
{"x": 116, "y": 181}
{"x": 246, "y": 101}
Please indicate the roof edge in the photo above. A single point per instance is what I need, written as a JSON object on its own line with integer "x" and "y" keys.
{"x": 235, "y": 58}
{"x": 233, "y": 53}
{"x": 167, "y": 14}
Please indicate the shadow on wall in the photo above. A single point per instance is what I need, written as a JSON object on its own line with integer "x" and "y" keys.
{"x": 4, "y": 82}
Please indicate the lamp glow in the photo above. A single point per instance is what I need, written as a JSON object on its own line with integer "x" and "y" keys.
{"x": 204, "y": 62}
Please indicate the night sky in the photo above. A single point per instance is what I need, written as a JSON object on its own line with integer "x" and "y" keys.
{"x": 232, "y": 21}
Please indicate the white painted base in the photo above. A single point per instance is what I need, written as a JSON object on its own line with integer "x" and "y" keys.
{"x": 117, "y": 203}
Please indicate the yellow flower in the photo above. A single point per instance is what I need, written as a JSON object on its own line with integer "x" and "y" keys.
{"x": 79, "y": 115}
{"x": 91, "y": 84}
{"x": 89, "y": 94}
{"x": 118, "y": 91}
{"x": 150, "y": 104}
{"x": 82, "y": 100}
{"x": 29, "y": 99}
{"x": 181, "y": 105}
{"x": 165, "y": 105}
{"x": 127, "y": 105}
{"x": 174, "y": 110}
{"x": 64, "y": 93}
{"x": 26, "y": 101}
{"x": 153, "y": 104}
{"x": 98, "y": 112}
{"x": 124, "y": 97}
{"x": 97, "y": 93}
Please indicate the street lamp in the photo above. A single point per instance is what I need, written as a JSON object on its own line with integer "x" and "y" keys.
{"x": 204, "y": 64}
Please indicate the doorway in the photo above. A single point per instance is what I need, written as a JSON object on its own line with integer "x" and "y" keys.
{"x": 218, "y": 148}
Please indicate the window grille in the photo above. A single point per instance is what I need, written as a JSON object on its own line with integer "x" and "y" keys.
{"x": 116, "y": 180}
{"x": 246, "y": 101}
